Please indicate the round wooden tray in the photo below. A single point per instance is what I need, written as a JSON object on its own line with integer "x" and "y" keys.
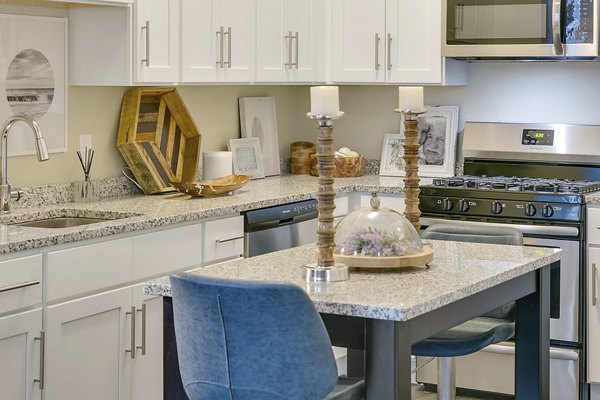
{"x": 369, "y": 262}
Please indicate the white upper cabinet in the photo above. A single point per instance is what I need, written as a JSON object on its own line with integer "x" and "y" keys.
{"x": 218, "y": 40}
{"x": 288, "y": 37}
{"x": 357, "y": 41}
{"x": 390, "y": 41}
{"x": 156, "y": 41}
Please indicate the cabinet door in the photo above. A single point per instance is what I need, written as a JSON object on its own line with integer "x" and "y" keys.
{"x": 147, "y": 370}
{"x": 358, "y": 38}
{"x": 20, "y": 360}
{"x": 86, "y": 344}
{"x": 287, "y": 41}
{"x": 413, "y": 41}
{"x": 156, "y": 41}
{"x": 593, "y": 306}
{"x": 217, "y": 40}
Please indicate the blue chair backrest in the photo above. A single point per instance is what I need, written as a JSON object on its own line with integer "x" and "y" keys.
{"x": 479, "y": 234}
{"x": 250, "y": 340}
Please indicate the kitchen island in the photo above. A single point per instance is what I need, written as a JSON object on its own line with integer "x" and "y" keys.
{"x": 388, "y": 311}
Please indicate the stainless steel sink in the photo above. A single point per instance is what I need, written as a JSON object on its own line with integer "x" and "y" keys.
{"x": 61, "y": 222}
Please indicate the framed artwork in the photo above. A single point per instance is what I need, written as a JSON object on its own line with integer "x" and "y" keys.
{"x": 437, "y": 140}
{"x": 247, "y": 159}
{"x": 33, "y": 79}
{"x": 257, "y": 119}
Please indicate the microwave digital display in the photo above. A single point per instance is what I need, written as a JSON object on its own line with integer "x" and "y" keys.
{"x": 538, "y": 137}
{"x": 580, "y": 21}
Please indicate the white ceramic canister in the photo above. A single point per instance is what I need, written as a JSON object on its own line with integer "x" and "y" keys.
{"x": 216, "y": 164}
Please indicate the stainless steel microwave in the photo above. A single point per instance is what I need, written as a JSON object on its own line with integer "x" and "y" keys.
{"x": 520, "y": 29}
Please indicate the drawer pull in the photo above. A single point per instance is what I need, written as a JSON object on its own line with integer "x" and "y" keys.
{"x": 219, "y": 241}
{"x": 19, "y": 286}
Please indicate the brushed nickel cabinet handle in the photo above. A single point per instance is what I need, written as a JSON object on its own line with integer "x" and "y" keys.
{"x": 146, "y": 27}
{"x": 143, "y": 346}
{"x": 42, "y": 378}
{"x": 377, "y": 39}
{"x": 19, "y": 286}
{"x": 219, "y": 241}
{"x": 295, "y": 64}
{"x": 228, "y": 33}
{"x": 389, "y": 52}
{"x": 556, "y": 25}
{"x": 290, "y": 39}
{"x": 594, "y": 276}
{"x": 132, "y": 350}
{"x": 220, "y": 42}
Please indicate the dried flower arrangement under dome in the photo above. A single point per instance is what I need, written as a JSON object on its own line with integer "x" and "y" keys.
{"x": 379, "y": 238}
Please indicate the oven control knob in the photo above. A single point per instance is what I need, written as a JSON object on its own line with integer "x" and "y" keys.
{"x": 496, "y": 207}
{"x": 547, "y": 210}
{"x": 530, "y": 210}
{"x": 463, "y": 205}
{"x": 447, "y": 204}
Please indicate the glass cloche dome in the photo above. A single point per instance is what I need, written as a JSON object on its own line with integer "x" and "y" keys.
{"x": 376, "y": 232}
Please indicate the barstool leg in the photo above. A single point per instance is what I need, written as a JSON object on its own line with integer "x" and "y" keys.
{"x": 446, "y": 381}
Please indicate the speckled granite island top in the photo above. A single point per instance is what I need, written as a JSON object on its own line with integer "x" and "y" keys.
{"x": 458, "y": 270}
{"x": 138, "y": 212}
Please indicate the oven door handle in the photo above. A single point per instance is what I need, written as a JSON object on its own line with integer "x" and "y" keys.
{"x": 564, "y": 231}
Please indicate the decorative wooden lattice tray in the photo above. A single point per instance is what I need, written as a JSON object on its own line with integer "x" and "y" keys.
{"x": 158, "y": 138}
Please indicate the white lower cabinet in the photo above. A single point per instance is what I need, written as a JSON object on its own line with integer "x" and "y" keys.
{"x": 20, "y": 355}
{"x": 86, "y": 347}
{"x": 147, "y": 369}
{"x": 593, "y": 314}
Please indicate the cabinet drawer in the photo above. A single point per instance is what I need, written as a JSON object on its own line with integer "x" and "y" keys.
{"x": 86, "y": 268}
{"x": 223, "y": 238}
{"x": 166, "y": 251}
{"x": 20, "y": 282}
{"x": 593, "y": 225}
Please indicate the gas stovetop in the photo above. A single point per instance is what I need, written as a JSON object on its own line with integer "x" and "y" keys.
{"x": 519, "y": 184}
{"x": 505, "y": 197}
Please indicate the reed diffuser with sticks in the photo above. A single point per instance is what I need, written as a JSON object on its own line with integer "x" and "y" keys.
{"x": 85, "y": 190}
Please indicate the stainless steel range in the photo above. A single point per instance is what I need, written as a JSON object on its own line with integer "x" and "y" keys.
{"x": 534, "y": 177}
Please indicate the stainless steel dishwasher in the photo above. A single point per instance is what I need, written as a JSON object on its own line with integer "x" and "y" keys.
{"x": 280, "y": 227}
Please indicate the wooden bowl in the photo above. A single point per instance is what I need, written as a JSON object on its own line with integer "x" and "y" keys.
{"x": 212, "y": 187}
{"x": 345, "y": 167}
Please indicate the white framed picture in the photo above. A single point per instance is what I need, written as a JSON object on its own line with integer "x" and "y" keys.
{"x": 437, "y": 140}
{"x": 257, "y": 119}
{"x": 247, "y": 159}
{"x": 34, "y": 68}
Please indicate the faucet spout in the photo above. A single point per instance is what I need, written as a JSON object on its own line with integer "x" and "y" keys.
{"x": 40, "y": 147}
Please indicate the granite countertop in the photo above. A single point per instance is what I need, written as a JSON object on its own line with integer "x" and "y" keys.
{"x": 138, "y": 212}
{"x": 458, "y": 270}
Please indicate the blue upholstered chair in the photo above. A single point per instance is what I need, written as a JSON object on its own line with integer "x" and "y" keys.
{"x": 471, "y": 336}
{"x": 250, "y": 340}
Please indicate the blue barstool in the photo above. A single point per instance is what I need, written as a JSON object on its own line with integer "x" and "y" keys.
{"x": 253, "y": 340}
{"x": 471, "y": 336}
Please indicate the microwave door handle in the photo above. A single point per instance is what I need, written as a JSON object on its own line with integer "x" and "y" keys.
{"x": 556, "y": 27}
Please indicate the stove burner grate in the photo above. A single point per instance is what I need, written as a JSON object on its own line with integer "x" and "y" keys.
{"x": 519, "y": 184}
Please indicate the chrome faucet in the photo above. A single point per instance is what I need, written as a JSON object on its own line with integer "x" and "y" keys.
{"x": 6, "y": 192}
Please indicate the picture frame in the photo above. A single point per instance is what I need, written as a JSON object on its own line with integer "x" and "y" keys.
{"x": 247, "y": 158}
{"x": 258, "y": 119}
{"x": 34, "y": 66}
{"x": 438, "y": 128}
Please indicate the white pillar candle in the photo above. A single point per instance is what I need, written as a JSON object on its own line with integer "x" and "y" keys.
{"x": 324, "y": 100}
{"x": 410, "y": 98}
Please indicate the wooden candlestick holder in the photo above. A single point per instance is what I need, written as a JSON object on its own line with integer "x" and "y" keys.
{"x": 325, "y": 269}
{"x": 411, "y": 167}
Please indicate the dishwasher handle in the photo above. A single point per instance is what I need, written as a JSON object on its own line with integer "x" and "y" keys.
{"x": 263, "y": 225}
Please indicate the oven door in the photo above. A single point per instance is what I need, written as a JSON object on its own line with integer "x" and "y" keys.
{"x": 564, "y": 292}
